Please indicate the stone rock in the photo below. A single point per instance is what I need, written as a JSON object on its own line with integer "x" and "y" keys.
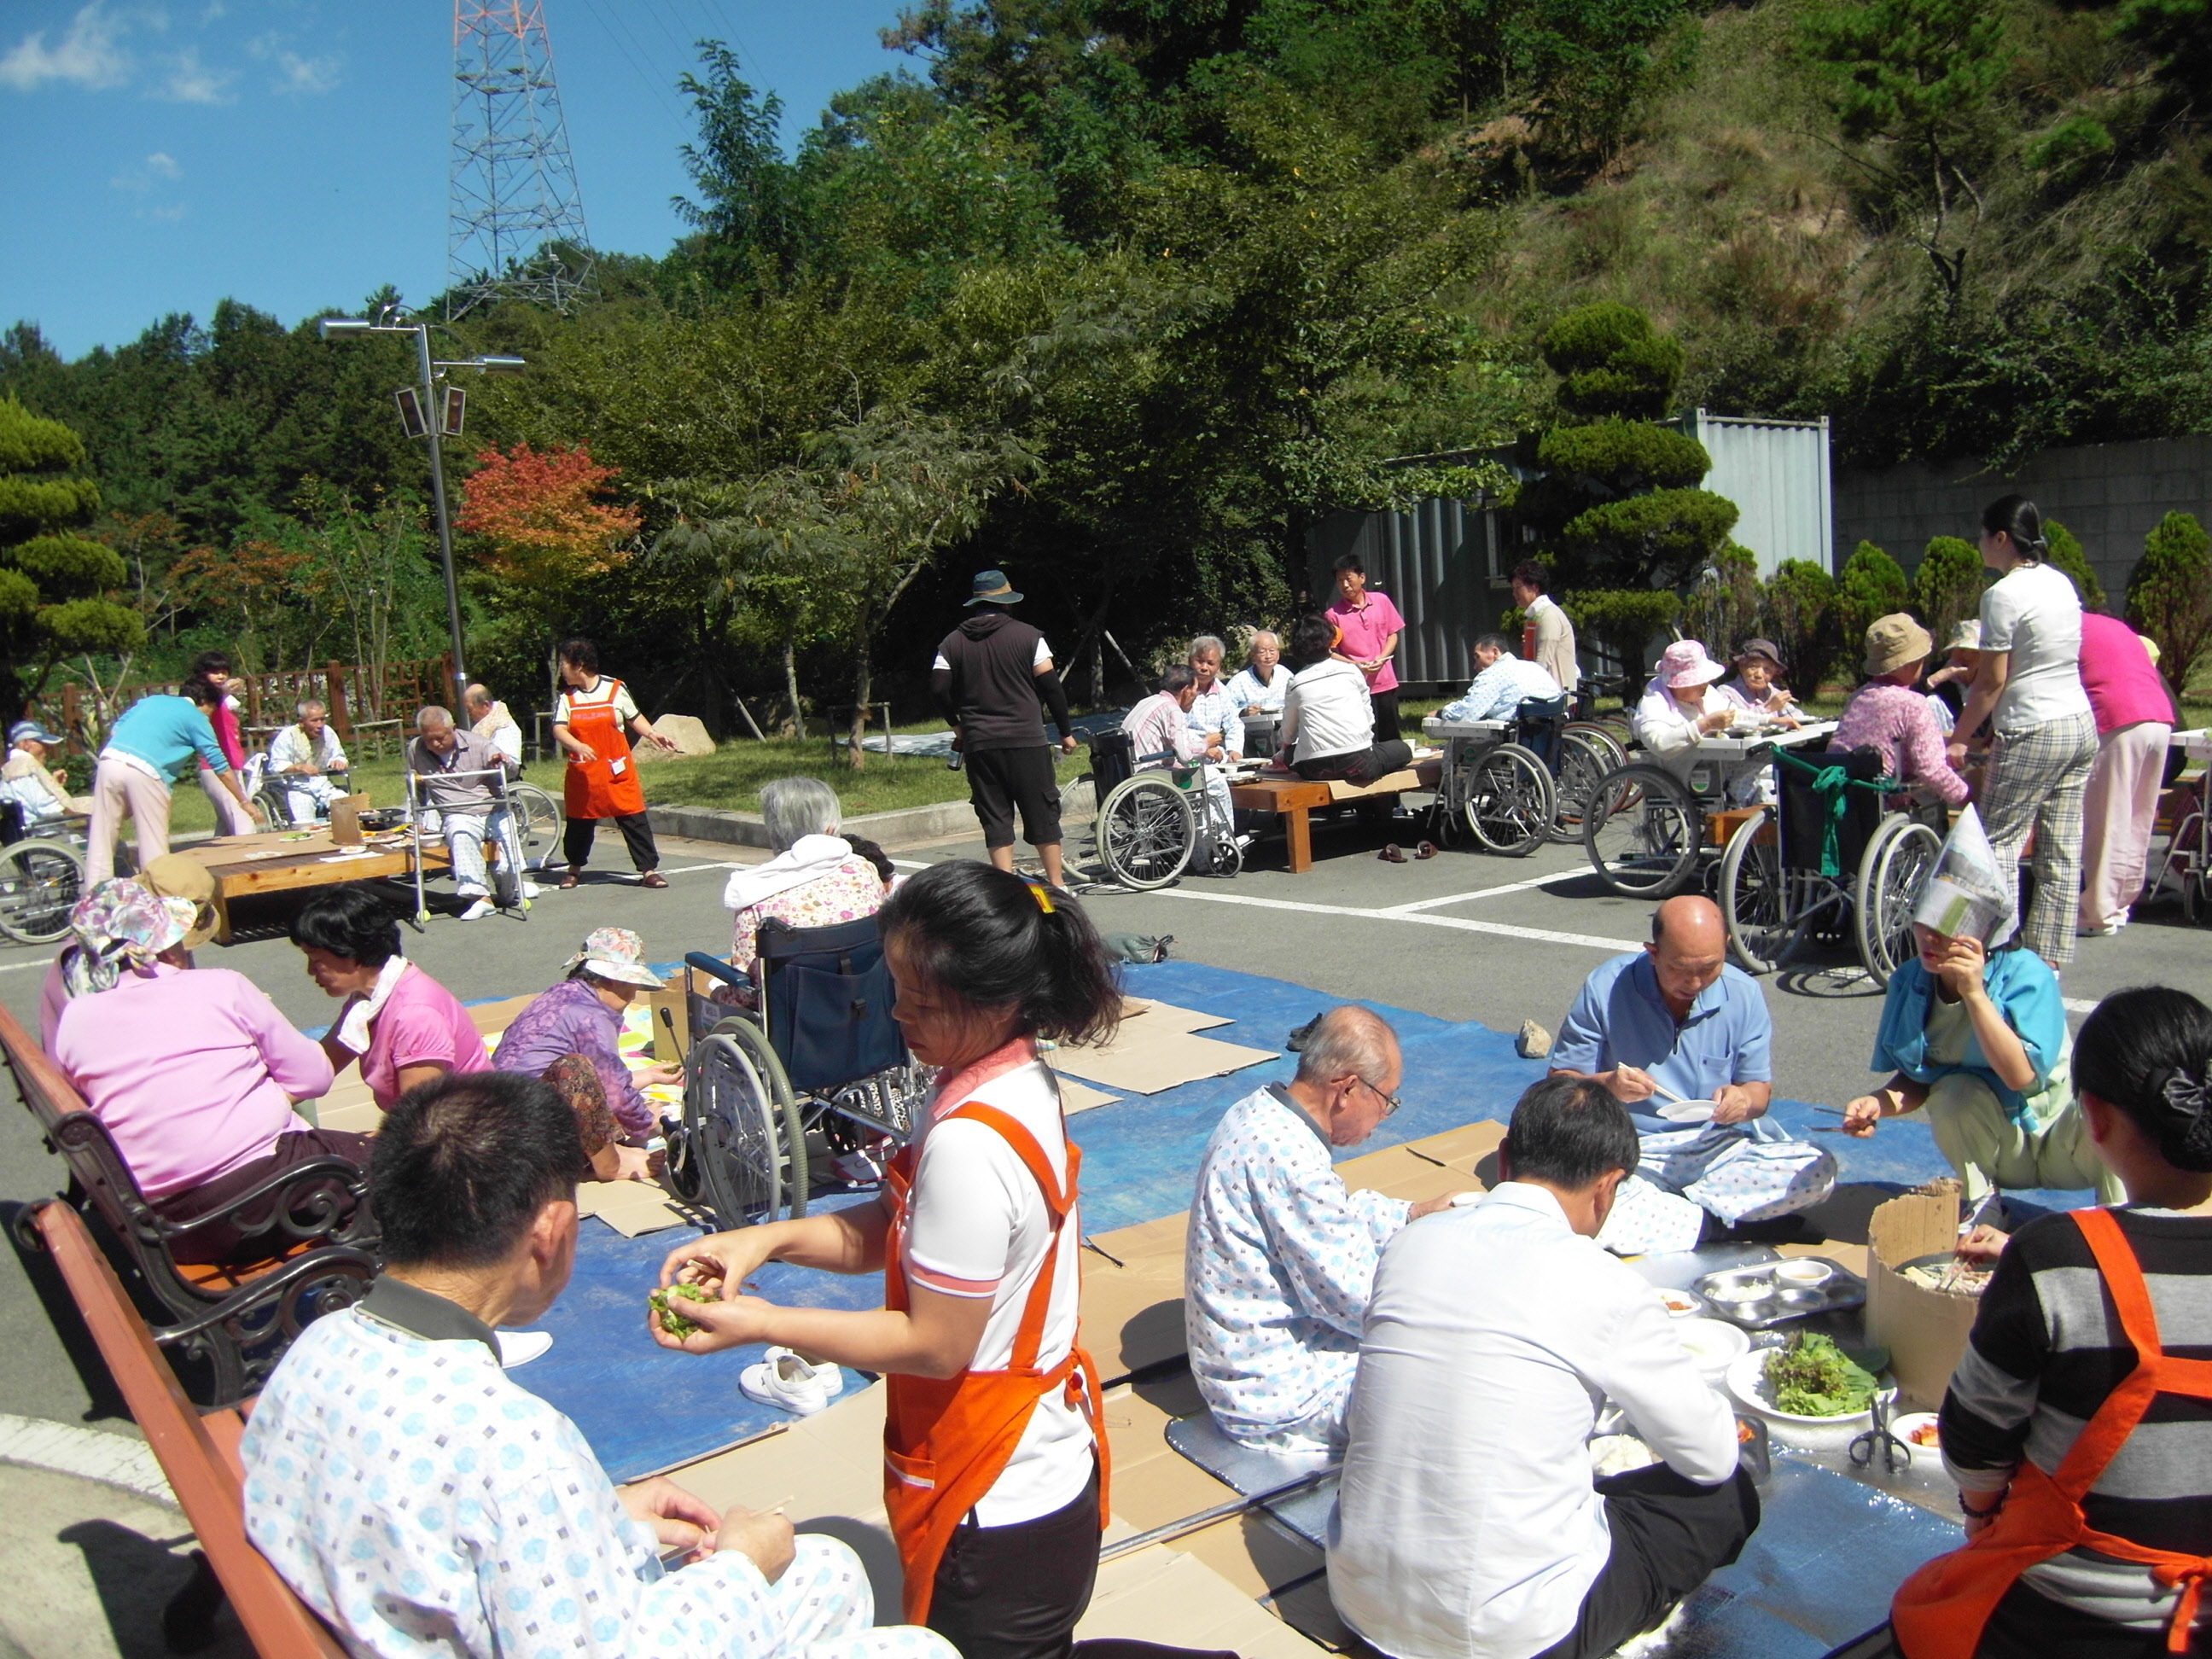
{"x": 685, "y": 732}
{"x": 1533, "y": 1043}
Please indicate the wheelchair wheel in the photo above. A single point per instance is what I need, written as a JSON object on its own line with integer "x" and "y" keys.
{"x": 1756, "y": 898}
{"x": 1509, "y": 801}
{"x": 1643, "y": 833}
{"x": 1897, "y": 860}
{"x": 1603, "y": 735}
{"x": 39, "y": 881}
{"x": 1146, "y": 831}
{"x": 538, "y": 823}
{"x": 1585, "y": 762}
{"x": 745, "y": 1151}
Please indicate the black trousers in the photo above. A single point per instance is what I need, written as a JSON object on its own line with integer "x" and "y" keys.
{"x": 1386, "y": 714}
{"x": 1669, "y": 1535}
{"x": 636, "y": 829}
{"x": 2028, "y": 1626}
{"x": 1001, "y": 780}
{"x": 1016, "y": 1592}
{"x": 1359, "y": 765}
{"x": 222, "y": 1242}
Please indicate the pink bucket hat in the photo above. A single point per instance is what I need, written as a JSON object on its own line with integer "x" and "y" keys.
{"x": 1684, "y": 664}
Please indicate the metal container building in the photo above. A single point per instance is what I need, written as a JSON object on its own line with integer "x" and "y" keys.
{"x": 1776, "y": 472}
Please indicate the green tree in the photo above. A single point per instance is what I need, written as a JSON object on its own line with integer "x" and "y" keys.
{"x": 1801, "y": 609}
{"x": 1947, "y": 588}
{"x": 2065, "y": 554}
{"x": 744, "y": 216}
{"x": 1723, "y": 607}
{"x": 55, "y": 585}
{"x": 2170, "y": 594}
{"x": 1872, "y": 584}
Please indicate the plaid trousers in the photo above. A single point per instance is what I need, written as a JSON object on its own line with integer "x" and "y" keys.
{"x": 2036, "y": 782}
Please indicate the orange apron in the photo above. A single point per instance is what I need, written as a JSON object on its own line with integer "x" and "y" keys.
{"x": 1941, "y": 1610}
{"x": 606, "y": 787}
{"x": 946, "y": 1441}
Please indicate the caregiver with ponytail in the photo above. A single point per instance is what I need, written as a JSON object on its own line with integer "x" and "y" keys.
{"x": 995, "y": 1478}
{"x": 2079, "y": 1424}
{"x": 2028, "y": 689}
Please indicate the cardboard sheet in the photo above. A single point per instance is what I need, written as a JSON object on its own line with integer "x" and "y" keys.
{"x": 1162, "y": 1595}
{"x": 1166, "y": 1017}
{"x": 1402, "y": 1172}
{"x": 1081, "y": 1097}
{"x": 631, "y": 1207}
{"x": 490, "y": 1018}
{"x": 1143, "y": 1063}
{"x": 1132, "y": 1302}
{"x": 1390, "y": 783}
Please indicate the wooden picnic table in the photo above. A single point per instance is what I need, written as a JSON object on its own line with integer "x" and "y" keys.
{"x": 283, "y": 860}
{"x": 1292, "y": 798}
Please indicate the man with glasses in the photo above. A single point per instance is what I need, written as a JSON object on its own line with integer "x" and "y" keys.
{"x": 1280, "y": 1258}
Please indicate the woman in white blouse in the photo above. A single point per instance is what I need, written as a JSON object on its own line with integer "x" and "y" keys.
{"x": 2028, "y": 689}
{"x": 1681, "y": 706}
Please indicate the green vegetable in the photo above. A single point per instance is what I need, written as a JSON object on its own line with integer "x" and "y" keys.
{"x": 1811, "y": 1377}
{"x": 671, "y": 1322}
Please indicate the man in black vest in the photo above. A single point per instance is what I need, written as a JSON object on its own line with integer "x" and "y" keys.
{"x": 992, "y": 679}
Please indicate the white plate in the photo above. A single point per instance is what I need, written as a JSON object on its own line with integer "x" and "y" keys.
{"x": 1904, "y": 1427}
{"x": 1747, "y": 1383}
{"x": 1714, "y": 1344}
{"x": 1801, "y": 1273}
{"x": 1688, "y": 1111}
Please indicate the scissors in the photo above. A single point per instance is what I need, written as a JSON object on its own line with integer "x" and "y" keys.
{"x": 1896, "y": 1455}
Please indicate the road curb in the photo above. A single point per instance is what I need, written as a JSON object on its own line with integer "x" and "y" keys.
{"x": 112, "y": 1460}
{"x": 911, "y": 826}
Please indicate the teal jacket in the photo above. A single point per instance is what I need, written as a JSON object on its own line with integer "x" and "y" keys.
{"x": 2026, "y": 992}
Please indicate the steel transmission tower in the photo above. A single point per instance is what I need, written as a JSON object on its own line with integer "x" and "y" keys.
{"x": 514, "y": 186}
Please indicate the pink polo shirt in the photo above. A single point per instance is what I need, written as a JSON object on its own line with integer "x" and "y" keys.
{"x": 2118, "y": 675}
{"x": 421, "y": 1023}
{"x": 193, "y": 1070}
{"x": 1364, "y": 631}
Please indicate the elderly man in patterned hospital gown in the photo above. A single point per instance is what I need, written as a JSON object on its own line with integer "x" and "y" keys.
{"x": 1280, "y": 1258}
{"x": 1666, "y": 1029}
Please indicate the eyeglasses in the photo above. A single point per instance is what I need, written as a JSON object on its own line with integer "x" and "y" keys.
{"x": 1390, "y": 1102}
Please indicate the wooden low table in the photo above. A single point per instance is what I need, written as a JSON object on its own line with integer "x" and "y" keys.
{"x": 1291, "y": 798}
{"x": 246, "y": 867}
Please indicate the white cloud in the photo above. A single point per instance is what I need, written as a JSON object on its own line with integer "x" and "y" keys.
{"x": 192, "y": 82}
{"x": 297, "y": 74}
{"x": 164, "y": 216}
{"x": 157, "y": 167}
{"x": 87, "y": 55}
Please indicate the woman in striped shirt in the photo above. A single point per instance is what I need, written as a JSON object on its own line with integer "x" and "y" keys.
{"x": 2079, "y": 1423}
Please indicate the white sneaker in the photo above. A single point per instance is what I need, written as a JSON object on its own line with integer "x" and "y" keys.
{"x": 786, "y": 1381}
{"x": 530, "y": 890}
{"x": 520, "y": 1347}
{"x": 479, "y": 911}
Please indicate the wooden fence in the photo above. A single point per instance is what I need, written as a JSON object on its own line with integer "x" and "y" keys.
{"x": 373, "y": 699}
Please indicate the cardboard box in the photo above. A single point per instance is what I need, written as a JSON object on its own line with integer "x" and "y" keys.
{"x": 669, "y": 1010}
{"x": 1925, "y": 1330}
{"x": 345, "y": 819}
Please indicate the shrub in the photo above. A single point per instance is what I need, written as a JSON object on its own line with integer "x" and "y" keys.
{"x": 1623, "y": 620}
{"x": 1665, "y": 537}
{"x": 1947, "y": 589}
{"x": 2065, "y": 554}
{"x": 1873, "y": 584}
{"x": 1801, "y": 604}
{"x": 2170, "y": 594}
{"x": 1627, "y": 457}
{"x": 1610, "y": 363}
{"x": 1724, "y": 603}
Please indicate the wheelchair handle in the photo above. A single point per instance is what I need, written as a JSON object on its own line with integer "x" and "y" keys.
{"x": 714, "y": 966}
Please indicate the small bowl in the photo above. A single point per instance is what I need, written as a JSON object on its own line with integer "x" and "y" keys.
{"x": 1681, "y": 1304}
{"x": 1912, "y": 1426}
{"x": 1714, "y": 1344}
{"x": 1802, "y": 1271}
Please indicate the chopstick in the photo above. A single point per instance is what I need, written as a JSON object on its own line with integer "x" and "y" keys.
{"x": 1834, "y": 1111}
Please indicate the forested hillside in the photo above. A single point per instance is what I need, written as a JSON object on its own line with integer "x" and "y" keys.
{"x": 1124, "y": 295}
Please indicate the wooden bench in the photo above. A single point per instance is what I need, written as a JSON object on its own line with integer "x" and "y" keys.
{"x": 199, "y": 1456}
{"x": 235, "y": 1321}
{"x": 1291, "y": 798}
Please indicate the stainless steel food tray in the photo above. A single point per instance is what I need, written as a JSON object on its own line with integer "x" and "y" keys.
{"x": 1841, "y": 1289}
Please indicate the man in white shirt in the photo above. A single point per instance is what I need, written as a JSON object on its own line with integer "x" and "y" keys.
{"x": 1258, "y": 687}
{"x": 1468, "y": 1525}
{"x": 482, "y": 1524}
{"x": 1280, "y": 1257}
{"x": 490, "y": 720}
{"x": 308, "y": 763}
{"x": 1504, "y": 682}
{"x": 1547, "y": 638}
{"x": 1213, "y": 713}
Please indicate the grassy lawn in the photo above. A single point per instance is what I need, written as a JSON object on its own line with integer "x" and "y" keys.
{"x": 730, "y": 777}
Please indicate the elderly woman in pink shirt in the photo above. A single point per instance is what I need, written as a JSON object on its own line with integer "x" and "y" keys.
{"x": 404, "y": 1027}
{"x": 1888, "y": 716}
{"x": 194, "y": 1072}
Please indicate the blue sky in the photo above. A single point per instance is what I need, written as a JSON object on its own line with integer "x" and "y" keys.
{"x": 292, "y": 154}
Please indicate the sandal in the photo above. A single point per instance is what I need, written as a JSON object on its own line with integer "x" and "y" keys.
{"x": 1392, "y": 854}
{"x": 1427, "y": 849}
{"x": 571, "y": 879}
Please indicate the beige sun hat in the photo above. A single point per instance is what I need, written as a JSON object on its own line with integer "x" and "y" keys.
{"x": 174, "y": 875}
{"x": 1966, "y": 636}
{"x": 1895, "y": 640}
{"x": 617, "y": 954}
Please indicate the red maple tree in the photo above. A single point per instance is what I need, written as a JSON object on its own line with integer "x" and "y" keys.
{"x": 541, "y": 512}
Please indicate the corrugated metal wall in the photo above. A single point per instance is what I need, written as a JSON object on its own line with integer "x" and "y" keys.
{"x": 1435, "y": 563}
{"x": 1777, "y": 473}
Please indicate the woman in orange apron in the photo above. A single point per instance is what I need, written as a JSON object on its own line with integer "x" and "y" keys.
{"x": 2104, "y": 1555}
{"x": 588, "y": 723}
{"x": 995, "y": 1471}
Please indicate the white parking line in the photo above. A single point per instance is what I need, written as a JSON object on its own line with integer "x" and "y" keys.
{"x": 1480, "y": 892}
{"x": 1464, "y": 924}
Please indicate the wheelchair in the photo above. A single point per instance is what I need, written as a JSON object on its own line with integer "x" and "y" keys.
{"x": 1154, "y": 825}
{"x": 41, "y": 875}
{"x": 820, "y": 1059}
{"x": 1520, "y": 782}
{"x": 1825, "y": 860}
{"x": 1649, "y": 829}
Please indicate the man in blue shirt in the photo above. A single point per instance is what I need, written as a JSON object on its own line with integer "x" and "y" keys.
{"x": 152, "y": 742}
{"x": 1504, "y": 682}
{"x": 1684, "y": 1040}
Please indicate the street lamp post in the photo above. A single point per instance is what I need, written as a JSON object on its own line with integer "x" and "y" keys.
{"x": 430, "y": 414}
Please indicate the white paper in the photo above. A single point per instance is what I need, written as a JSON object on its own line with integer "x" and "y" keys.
{"x": 1965, "y": 896}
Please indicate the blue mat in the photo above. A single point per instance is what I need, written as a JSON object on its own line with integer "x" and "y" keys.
{"x": 643, "y": 1408}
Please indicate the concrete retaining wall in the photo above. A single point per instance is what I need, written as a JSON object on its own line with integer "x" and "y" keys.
{"x": 911, "y": 826}
{"x": 2109, "y": 495}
